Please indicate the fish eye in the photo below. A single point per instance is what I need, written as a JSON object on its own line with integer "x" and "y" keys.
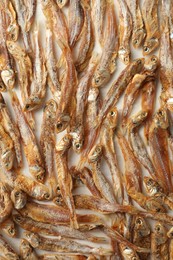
{"x": 146, "y": 49}
{"x": 11, "y": 231}
{"x": 139, "y": 221}
{"x": 17, "y": 194}
{"x": 139, "y": 61}
{"x": 18, "y": 218}
{"x": 59, "y": 126}
{"x": 60, "y": 1}
{"x": 78, "y": 146}
{"x": 153, "y": 59}
{"x": 157, "y": 228}
{"x": 97, "y": 80}
{"x": 39, "y": 177}
{"x": 135, "y": 41}
{"x": 27, "y": 106}
{"x": 112, "y": 113}
{"x": 46, "y": 196}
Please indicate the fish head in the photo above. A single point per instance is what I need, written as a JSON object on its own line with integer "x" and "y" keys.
{"x": 25, "y": 248}
{"x": 19, "y": 198}
{"x": 95, "y": 153}
{"x": 64, "y": 144}
{"x": 137, "y": 65}
{"x": 7, "y": 159}
{"x": 139, "y": 117}
{"x": 61, "y": 3}
{"x": 161, "y": 119}
{"x": 151, "y": 63}
{"x": 33, "y": 239}
{"x": 124, "y": 55}
{"x": 138, "y": 37}
{"x": 150, "y": 45}
{"x": 13, "y": 32}
{"x": 18, "y": 218}
{"x": 58, "y": 200}
{"x": 46, "y": 4}
{"x": 128, "y": 253}
{"x": 8, "y": 77}
{"x": 151, "y": 186}
{"x": 154, "y": 204}
{"x": 141, "y": 227}
{"x": 113, "y": 63}
{"x": 77, "y": 145}
{"x": 160, "y": 233}
{"x": 112, "y": 117}
{"x": 63, "y": 121}
{"x": 100, "y": 77}
{"x": 50, "y": 108}
{"x": 32, "y": 103}
{"x": 38, "y": 171}
{"x": 10, "y": 46}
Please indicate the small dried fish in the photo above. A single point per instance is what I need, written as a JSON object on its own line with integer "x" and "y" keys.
{"x": 125, "y": 29}
{"x": 54, "y": 230}
{"x": 148, "y": 73}
{"x": 19, "y": 198}
{"x": 75, "y": 21}
{"x": 137, "y": 143}
{"x": 158, "y": 144}
{"x": 63, "y": 245}
{"x": 31, "y": 150}
{"x": 33, "y": 188}
{"x": 6, "y": 149}
{"x": 27, "y": 252}
{"x": 77, "y": 128}
{"x": 98, "y": 15}
{"x": 94, "y": 158}
{"x": 6, "y": 205}
{"x": 11, "y": 128}
{"x": 47, "y": 143}
{"x": 107, "y": 62}
{"x": 139, "y": 32}
{"x": 61, "y": 257}
{"x": 128, "y": 253}
{"x": 107, "y": 141}
{"x": 118, "y": 87}
{"x": 86, "y": 43}
{"x": 9, "y": 227}
{"x": 62, "y": 3}
{"x": 7, "y": 250}
{"x": 51, "y": 66}
{"x": 54, "y": 214}
{"x": 30, "y": 14}
{"x": 55, "y": 20}
{"x": 148, "y": 103}
{"x": 35, "y": 99}
{"x": 64, "y": 177}
{"x": 150, "y": 16}
{"x": 68, "y": 91}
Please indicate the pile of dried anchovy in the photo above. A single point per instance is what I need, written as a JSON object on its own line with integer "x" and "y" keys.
{"x": 117, "y": 223}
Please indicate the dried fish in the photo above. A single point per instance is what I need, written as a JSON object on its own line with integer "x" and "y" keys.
{"x": 53, "y": 81}
{"x": 128, "y": 253}
{"x": 6, "y": 205}
{"x": 7, "y": 250}
{"x": 33, "y": 188}
{"x": 100, "y": 180}
{"x": 62, "y": 3}
{"x": 19, "y": 198}
{"x": 11, "y": 128}
{"x": 148, "y": 73}
{"x": 107, "y": 62}
{"x": 107, "y": 141}
{"x": 61, "y": 257}
{"x": 8, "y": 226}
{"x": 75, "y": 21}
{"x": 31, "y": 150}
{"x": 63, "y": 245}
{"x": 47, "y": 142}
{"x": 139, "y": 32}
{"x": 35, "y": 99}
{"x": 67, "y": 101}
{"x": 54, "y": 230}
{"x": 125, "y": 29}
{"x": 30, "y": 14}
{"x": 64, "y": 177}
{"x": 27, "y": 251}
{"x": 158, "y": 144}
{"x": 150, "y": 16}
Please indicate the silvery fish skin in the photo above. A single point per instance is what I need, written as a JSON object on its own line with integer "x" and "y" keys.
{"x": 64, "y": 177}
{"x": 37, "y": 96}
{"x": 86, "y": 42}
{"x": 19, "y": 198}
{"x": 25, "y": 70}
{"x": 31, "y": 149}
{"x": 109, "y": 153}
{"x": 75, "y": 21}
{"x": 7, "y": 250}
{"x": 103, "y": 185}
{"x": 125, "y": 29}
{"x": 8, "y": 226}
{"x": 27, "y": 251}
{"x": 63, "y": 245}
{"x": 33, "y": 188}
{"x": 6, "y": 205}
{"x": 11, "y": 128}
{"x": 138, "y": 32}
{"x": 47, "y": 143}
{"x": 51, "y": 66}
{"x": 150, "y": 16}
{"x": 107, "y": 62}
{"x": 54, "y": 230}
